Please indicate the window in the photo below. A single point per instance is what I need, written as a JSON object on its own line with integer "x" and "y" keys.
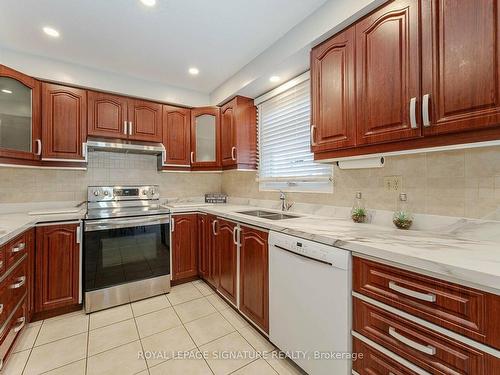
{"x": 285, "y": 159}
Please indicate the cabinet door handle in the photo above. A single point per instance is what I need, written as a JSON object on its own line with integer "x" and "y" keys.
{"x": 20, "y": 324}
{"x": 235, "y": 232}
{"x": 20, "y": 282}
{"x": 214, "y": 231}
{"x": 313, "y": 135}
{"x": 172, "y": 225}
{"x": 233, "y": 153}
{"x": 130, "y": 131}
{"x": 192, "y": 157}
{"x": 1, "y": 263}
{"x": 18, "y": 248}
{"x": 125, "y": 127}
{"x": 427, "y": 349}
{"x": 413, "y": 113}
{"x": 425, "y": 110}
{"x": 429, "y": 297}
{"x": 38, "y": 147}
{"x": 1, "y": 308}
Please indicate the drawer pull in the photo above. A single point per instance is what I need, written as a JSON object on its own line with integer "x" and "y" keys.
{"x": 429, "y": 297}
{"x": 427, "y": 349}
{"x": 1, "y": 308}
{"x": 18, "y": 248}
{"x": 20, "y": 324}
{"x": 1, "y": 263}
{"x": 20, "y": 282}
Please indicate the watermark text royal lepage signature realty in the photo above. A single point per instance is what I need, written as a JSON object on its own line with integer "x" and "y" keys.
{"x": 247, "y": 354}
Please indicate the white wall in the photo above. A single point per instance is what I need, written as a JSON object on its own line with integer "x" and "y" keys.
{"x": 54, "y": 70}
{"x": 289, "y": 56}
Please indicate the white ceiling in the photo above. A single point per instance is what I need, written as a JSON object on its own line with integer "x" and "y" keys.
{"x": 157, "y": 44}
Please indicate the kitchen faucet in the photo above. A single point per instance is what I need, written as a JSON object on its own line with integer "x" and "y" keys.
{"x": 285, "y": 205}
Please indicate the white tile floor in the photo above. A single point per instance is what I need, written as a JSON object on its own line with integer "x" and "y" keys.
{"x": 191, "y": 320}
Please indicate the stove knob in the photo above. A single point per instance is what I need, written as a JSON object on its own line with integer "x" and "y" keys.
{"x": 144, "y": 192}
{"x": 106, "y": 193}
{"x": 96, "y": 193}
{"x": 152, "y": 191}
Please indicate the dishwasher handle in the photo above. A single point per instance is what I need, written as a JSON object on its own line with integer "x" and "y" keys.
{"x": 303, "y": 256}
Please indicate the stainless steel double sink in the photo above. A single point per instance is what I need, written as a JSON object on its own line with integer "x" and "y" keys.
{"x": 268, "y": 214}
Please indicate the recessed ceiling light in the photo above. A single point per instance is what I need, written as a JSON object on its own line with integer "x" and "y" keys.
{"x": 193, "y": 71}
{"x": 149, "y": 3}
{"x": 51, "y": 32}
{"x": 274, "y": 78}
{"x": 6, "y": 91}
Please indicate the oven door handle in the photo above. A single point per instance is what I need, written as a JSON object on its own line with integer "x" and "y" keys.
{"x": 125, "y": 223}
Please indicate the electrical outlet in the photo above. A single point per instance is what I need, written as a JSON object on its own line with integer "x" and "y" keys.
{"x": 393, "y": 183}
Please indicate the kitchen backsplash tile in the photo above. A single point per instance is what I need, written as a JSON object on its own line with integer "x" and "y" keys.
{"x": 464, "y": 183}
{"x": 104, "y": 168}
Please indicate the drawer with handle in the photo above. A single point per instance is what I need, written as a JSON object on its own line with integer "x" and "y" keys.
{"x": 12, "y": 330}
{"x": 15, "y": 249}
{"x": 423, "y": 347}
{"x": 452, "y": 306}
{"x": 373, "y": 361}
{"x": 12, "y": 289}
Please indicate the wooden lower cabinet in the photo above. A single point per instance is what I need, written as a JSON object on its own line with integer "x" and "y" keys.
{"x": 228, "y": 254}
{"x": 254, "y": 276}
{"x": 184, "y": 246}
{"x": 203, "y": 246}
{"x": 57, "y": 267}
{"x": 371, "y": 361}
{"x": 212, "y": 277}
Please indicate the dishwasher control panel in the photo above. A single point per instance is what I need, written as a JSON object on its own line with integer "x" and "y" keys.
{"x": 337, "y": 257}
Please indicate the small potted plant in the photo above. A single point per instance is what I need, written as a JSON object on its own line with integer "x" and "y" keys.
{"x": 402, "y": 218}
{"x": 358, "y": 211}
{"x": 358, "y": 215}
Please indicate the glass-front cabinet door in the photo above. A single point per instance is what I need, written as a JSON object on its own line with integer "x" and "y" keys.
{"x": 205, "y": 136}
{"x": 19, "y": 115}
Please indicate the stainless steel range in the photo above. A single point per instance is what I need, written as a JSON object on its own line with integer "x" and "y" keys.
{"x": 126, "y": 246}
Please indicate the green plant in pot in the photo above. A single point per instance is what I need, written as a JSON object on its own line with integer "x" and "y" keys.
{"x": 358, "y": 211}
{"x": 358, "y": 215}
{"x": 402, "y": 218}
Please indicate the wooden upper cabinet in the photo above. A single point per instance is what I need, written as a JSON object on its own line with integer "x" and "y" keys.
{"x": 107, "y": 115}
{"x": 177, "y": 135}
{"x": 205, "y": 138}
{"x": 145, "y": 119}
{"x": 388, "y": 73}
{"x": 20, "y": 113}
{"x": 57, "y": 267}
{"x": 238, "y": 133}
{"x": 184, "y": 246}
{"x": 227, "y": 258}
{"x": 228, "y": 135}
{"x": 460, "y": 64}
{"x": 64, "y": 122}
{"x": 254, "y": 276}
{"x": 333, "y": 93}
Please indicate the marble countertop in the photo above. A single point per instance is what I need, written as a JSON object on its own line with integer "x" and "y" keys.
{"x": 14, "y": 223}
{"x": 462, "y": 251}
{"x": 456, "y": 253}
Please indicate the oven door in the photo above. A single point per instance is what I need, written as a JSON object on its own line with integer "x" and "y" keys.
{"x": 125, "y": 250}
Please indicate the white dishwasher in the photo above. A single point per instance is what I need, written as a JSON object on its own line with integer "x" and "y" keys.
{"x": 310, "y": 303}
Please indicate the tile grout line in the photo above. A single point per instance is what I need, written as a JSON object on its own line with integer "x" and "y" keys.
{"x": 189, "y": 334}
{"x": 140, "y": 341}
{"x": 32, "y": 347}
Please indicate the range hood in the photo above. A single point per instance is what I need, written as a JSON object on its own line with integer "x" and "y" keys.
{"x": 132, "y": 147}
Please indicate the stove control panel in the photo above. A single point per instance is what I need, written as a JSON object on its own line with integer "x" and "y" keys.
{"x": 118, "y": 193}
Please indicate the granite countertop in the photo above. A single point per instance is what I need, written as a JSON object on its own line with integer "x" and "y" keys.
{"x": 456, "y": 254}
{"x": 464, "y": 251}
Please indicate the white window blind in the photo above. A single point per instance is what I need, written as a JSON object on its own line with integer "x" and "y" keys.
{"x": 285, "y": 159}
